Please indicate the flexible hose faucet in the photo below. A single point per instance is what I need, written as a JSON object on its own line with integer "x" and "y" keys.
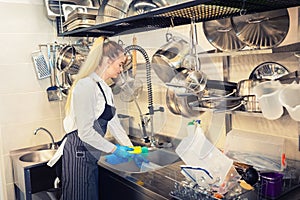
{"x": 149, "y": 89}
{"x": 53, "y": 146}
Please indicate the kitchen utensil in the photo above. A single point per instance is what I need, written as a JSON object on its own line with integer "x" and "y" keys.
{"x": 262, "y": 30}
{"x": 290, "y": 78}
{"x": 269, "y": 71}
{"x": 168, "y": 58}
{"x": 251, "y": 104}
{"x": 221, "y": 35}
{"x": 248, "y": 173}
{"x": 245, "y": 87}
{"x": 222, "y": 103}
{"x": 289, "y": 97}
{"x": 188, "y": 81}
{"x": 52, "y": 91}
{"x": 122, "y": 5}
{"x": 179, "y": 105}
{"x": 142, "y": 6}
{"x": 271, "y": 184}
{"x": 196, "y": 79}
{"x": 69, "y": 60}
{"x": 176, "y": 102}
{"x": 111, "y": 10}
{"x": 191, "y": 60}
{"x": 41, "y": 68}
{"x": 267, "y": 94}
{"x": 66, "y": 84}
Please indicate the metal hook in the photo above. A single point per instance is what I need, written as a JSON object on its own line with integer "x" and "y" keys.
{"x": 172, "y": 22}
{"x": 243, "y": 11}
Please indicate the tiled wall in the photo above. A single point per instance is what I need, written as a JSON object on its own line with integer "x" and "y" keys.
{"x": 23, "y": 98}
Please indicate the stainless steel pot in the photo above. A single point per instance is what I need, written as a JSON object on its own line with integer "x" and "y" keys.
{"x": 177, "y": 101}
{"x": 251, "y": 104}
{"x": 168, "y": 58}
{"x": 221, "y": 103}
{"x": 141, "y": 6}
{"x": 179, "y": 105}
{"x": 245, "y": 87}
{"x": 69, "y": 60}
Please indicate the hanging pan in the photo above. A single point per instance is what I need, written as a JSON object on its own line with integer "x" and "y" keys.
{"x": 69, "y": 60}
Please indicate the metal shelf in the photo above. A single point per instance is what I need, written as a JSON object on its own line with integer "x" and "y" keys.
{"x": 179, "y": 14}
{"x": 244, "y": 113}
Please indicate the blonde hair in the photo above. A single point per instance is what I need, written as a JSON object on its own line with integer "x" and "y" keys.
{"x": 102, "y": 47}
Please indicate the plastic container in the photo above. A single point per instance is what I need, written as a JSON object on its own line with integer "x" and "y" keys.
{"x": 289, "y": 97}
{"x": 267, "y": 94}
{"x": 196, "y": 150}
{"x": 271, "y": 184}
{"x": 264, "y": 152}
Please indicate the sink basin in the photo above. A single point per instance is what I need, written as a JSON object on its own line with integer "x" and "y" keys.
{"x": 38, "y": 156}
{"x": 158, "y": 158}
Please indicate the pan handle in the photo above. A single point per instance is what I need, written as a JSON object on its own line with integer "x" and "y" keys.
{"x": 257, "y": 21}
{"x": 243, "y": 102}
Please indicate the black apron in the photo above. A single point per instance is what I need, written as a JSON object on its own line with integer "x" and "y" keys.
{"x": 80, "y": 179}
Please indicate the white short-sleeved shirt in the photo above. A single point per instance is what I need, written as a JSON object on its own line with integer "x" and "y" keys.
{"x": 87, "y": 104}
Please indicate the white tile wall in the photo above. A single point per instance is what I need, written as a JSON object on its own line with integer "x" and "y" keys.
{"x": 23, "y": 99}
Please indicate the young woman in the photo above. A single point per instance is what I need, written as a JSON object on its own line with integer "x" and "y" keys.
{"x": 89, "y": 112}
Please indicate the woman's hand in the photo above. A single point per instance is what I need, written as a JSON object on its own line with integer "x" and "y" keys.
{"x": 122, "y": 152}
{"x": 139, "y": 159}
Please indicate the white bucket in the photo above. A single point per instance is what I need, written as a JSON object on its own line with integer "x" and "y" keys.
{"x": 289, "y": 97}
{"x": 267, "y": 94}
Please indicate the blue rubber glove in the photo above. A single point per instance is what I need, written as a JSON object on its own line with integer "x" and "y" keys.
{"x": 122, "y": 152}
{"x": 115, "y": 160}
{"x": 139, "y": 159}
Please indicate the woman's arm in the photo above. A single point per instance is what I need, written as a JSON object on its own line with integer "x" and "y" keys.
{"x": 118, "y": 132}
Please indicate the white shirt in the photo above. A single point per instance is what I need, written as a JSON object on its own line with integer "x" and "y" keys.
{"x": 87, "y": 104}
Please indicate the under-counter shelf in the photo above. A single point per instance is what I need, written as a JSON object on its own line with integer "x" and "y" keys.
{"x": 175, "y": 15}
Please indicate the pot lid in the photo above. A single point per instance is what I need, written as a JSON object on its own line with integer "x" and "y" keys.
{"x": 220, "y": 34}
{"x": 262, "y": 30}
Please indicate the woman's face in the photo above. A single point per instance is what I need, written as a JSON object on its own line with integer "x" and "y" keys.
{"x": 116, "y": 67}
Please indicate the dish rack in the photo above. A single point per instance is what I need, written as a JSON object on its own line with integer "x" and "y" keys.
{"x": 262, "y": 190}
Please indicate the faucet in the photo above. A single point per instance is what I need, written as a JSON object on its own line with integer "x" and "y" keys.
{"x": 53, "y": 146}
{"x": 149, "y": 89}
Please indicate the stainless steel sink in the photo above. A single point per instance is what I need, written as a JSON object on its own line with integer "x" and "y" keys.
{"x": 158, "y": 158}
{"x": 38, "y": 156}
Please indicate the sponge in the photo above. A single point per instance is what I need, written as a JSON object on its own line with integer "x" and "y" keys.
{"x": 139, "y": 150}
